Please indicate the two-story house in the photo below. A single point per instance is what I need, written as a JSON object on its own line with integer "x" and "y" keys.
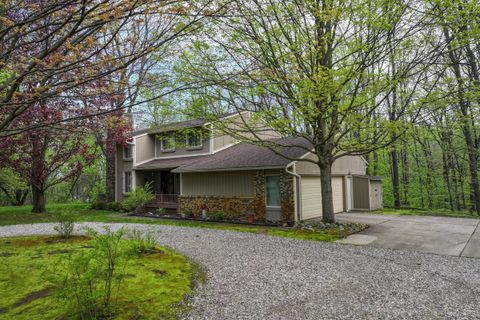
{"x": 191, "y": 166}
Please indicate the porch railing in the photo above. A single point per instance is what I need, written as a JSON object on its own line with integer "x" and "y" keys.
{"x": 166, "y": 198}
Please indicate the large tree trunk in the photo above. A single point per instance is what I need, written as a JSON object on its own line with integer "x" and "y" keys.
{"x": 38, "y": 179}
{"x": 110, "y": 167}
{"x": 395, "y": 179}
{"x": 326, "y": 190}
{"x": 38, "y": 200}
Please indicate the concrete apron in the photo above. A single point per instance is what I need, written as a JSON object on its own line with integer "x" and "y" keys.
{"x": 439, "y": 235}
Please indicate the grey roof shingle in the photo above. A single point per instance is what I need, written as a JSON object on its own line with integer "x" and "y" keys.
{"x": 242, "y": 156}
{"x": 171, "y": 163}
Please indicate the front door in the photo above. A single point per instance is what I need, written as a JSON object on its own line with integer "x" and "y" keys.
{"x": 169, "y": 182}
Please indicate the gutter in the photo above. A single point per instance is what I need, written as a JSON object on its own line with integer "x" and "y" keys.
{"x": 297, "y": 193}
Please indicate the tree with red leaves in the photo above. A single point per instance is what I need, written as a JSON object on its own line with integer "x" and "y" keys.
{"x": 46, "y": 156}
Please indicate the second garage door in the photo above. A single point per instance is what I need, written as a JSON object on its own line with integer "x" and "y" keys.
{"x": 311, "y": 196}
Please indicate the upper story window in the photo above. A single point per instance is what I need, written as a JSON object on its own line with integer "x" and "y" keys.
{"x": 194, "y": 140}
{"x": 168, "y": 143}
{"x": 128, "y": 152}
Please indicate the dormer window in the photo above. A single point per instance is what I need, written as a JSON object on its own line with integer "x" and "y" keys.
{"x": 168, "y": 144}
{"x": 128, "y": 152}
{"x": 194, "y": 141}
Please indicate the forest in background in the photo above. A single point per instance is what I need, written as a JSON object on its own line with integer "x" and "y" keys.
{"x": 421, "y": 134}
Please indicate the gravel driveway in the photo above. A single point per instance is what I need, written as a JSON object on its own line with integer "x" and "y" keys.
{"x": 254, "y": 276}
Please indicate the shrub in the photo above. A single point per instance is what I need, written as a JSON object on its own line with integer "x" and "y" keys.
{"x": 98, "y": 205}
{"x": 138, "y": 197}
{"x": 91, "y": 278}
{"x": 142, "y": 242}
{"x": 161, "y": 211}
{"x": 65, "y": 223}
{"x": 188, "y": 212}
{"x": 115, "y": 206}
{"x": 219, "y": 215}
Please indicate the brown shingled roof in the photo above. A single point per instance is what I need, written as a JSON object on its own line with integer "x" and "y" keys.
{"x": 244, "y": 156}
{"x": 171, "y": 163}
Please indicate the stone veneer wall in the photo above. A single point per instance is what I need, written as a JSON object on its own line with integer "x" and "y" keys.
{"x": 287, "y": 196}
{"x": 240, "y": 207}
{"x": 234, "y": 207}
{"x": 259, "y": 191}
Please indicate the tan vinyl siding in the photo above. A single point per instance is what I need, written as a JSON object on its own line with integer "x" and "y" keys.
{"x": 344, "y": 165}
{"x": 361, "y": 193}
{"x": 235, "y": 183}
{"x": 221, "y": 141}
{"x": 144, "y": 148}
{"x": 181, "y": 148}
{"x": 121, "y": 166}
{"x": 376, "y": 196}
{"x": 235, "y": 123}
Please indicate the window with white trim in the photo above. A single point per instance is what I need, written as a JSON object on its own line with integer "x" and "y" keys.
{"x": 127, "y": 181}
{"x": 168, "y": 143}
{"x": 272, "y": 191}
{"x": 194, "y": 140}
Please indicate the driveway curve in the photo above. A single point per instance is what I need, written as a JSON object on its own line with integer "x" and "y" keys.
{"x": 255, "y": 276}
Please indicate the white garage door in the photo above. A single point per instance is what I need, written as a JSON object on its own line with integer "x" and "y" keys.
{"x": 312, "y": 197}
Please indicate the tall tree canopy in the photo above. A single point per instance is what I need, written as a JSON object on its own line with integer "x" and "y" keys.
{"x": 315, "y": 69}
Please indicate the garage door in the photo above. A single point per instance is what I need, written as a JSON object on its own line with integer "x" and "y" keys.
{"x": 312, "y": 197}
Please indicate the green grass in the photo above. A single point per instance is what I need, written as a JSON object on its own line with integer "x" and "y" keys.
{"x": 22, "y": 215}
{"x": 26, "y": 292}
{"x": 426, "y": 212}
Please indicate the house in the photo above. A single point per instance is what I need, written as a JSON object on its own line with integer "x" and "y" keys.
{"x": 192, "y": 166}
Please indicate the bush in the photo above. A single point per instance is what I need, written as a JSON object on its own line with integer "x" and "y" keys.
{"x": 161, "y": 211}
{"x": 219, "y": 215}
{"x": 142, "y": 242}
{"x": 65, "y": 223}
{"x": 138, "y": 197}
{"x": 98, "y": 205}
{"x": 115, "y": 206}
{"x": 91, "y": 278}
{"x": 188, "y": 213}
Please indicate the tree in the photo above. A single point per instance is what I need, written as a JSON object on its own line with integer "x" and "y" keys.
{"x": 313, "y": 69}
{"x": 45, "y": 156}
{"x": 14, "y": 188}
{"x": 459, "y": 24}
{"x": 50, "y": 48}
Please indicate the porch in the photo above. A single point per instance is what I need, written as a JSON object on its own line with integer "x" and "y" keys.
{"x": 166, "y": 186}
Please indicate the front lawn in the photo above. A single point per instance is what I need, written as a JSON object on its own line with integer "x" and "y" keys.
{"x": 427, "y": 212}
{"x": 22, "y": 215}
{"x": 27, "y": 292}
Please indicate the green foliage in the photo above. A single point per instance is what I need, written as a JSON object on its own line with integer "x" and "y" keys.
{"x": 218, "y": 215}
{"x": 142, "y": 242}
{"x": 35, "y": 265}
{"x": 161, "y": 211}
{"x": 138, "y": 197}
{"x": 187, "y": 212}
{"x": 91, "y": 279}
{"x": 65, "y": 223}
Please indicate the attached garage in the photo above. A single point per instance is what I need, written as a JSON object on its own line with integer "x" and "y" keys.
{"x": 311, "y": 201}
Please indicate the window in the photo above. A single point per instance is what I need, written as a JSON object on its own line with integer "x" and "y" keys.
{"x": 194, "y": 140}
{"x": 127, "y": 183}
{"x": 273, "y": 191}
{"x": 168, "y": 143}
{"x": 127, "y": 152}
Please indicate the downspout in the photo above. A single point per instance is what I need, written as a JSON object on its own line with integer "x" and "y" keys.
{"x": 297, "y": 193}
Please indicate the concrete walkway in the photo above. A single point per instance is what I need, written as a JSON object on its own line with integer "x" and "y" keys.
{"x": 440, "y": 235}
